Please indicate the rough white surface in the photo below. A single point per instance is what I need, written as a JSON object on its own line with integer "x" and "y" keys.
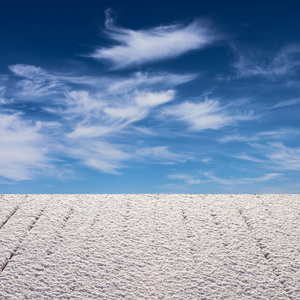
{"x": 150, "y": 247}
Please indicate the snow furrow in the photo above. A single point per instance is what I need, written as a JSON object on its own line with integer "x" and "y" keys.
{"x": 54, "y": 243}
{"x": 18, "y": 227}
{"x": 188, "y": 234}
{"x": 10, "y": 214}
{"x": 8, "y": 205}
{"x": 264, "y": 253}
{"x": 222, "y": 249}
{"x": 150, "y": 247}
{"x": 14, "y": 251}
{"x": 31, "y": 257}
{"x": 274, "y": 222}
{"x": 56, "y": 268}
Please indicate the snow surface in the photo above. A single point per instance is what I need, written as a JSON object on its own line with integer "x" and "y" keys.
{"x": 150, "y": 247}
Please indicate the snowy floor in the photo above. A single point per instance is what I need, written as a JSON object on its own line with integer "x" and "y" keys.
{"x": 150, "y": 247}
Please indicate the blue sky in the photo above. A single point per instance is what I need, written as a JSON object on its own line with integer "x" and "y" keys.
{"x": 162, "y": 97}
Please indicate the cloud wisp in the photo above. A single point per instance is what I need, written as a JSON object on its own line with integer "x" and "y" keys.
{"x": 23, "y": 148}
{"x": 207, "y": 114}
{"x": 286, "y": 103}
{"x": 210, "y": 177}
{"x": 89, "y": 112}
{"x": 275, "y": 155}
{"x": 138, "y": 47}
{"x": 284, "y": 62}
{"x": 270, "y": 135}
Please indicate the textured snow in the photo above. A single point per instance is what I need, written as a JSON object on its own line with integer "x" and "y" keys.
{"x": 150, "y": 247}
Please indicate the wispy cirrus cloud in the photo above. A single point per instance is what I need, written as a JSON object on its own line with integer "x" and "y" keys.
{"x": 270, "y": 135}
{"x": 190, "y": 179}
{"x": 286, "y": 103}
{"x": 99, "y": 155}
{"x": 207, "y": 114}
{"x": 23, "y": 148}
{"x": 187, "y": 178}
{"x": 87, "y": 112}
{"x": 162, "y": 154}
{"x": 35, "y": 82}
{"x": 107, "y": 107}
{"x": 141, "y": 80}
{"x": 100, "y": 118}
{"x": 95, "y": 107}
{"x": 3, "y": 99}
{"x": 285, "y": 62}
{"x": 243, "y": 180}
{"x": 274, "y": 155}
{"x": 138, "y": 47}
{"x": 112, "y": 158}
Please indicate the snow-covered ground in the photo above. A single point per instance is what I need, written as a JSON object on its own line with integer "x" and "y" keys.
{"x": 150, "y": 247}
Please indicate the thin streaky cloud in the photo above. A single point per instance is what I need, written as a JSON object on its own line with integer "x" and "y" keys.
{"x": 162, "y": 154}
{"x": 245, "y": 180}
{"x": 285, "y": 133}
{"x": 144, "y": 46}
{"x": 206, "y": 114}
{"x": 33, "y": 82}
{"x": 140, "y": 80}
{"x": 286, "y": 103}
{"x": 274, "y": 155}
{"x": 284, "y": 62}
{"x": 210, "y": 177}
{"x": 23, "y": 148}
{"x": 3, "y": 99}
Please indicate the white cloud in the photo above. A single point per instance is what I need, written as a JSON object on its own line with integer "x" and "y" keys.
{"x": 189, "y": 179}
{"x": 280, "y": 156}
{"x": 81, "y": 103}
{"x": 151, "y": 99}
{"x": 139, "y": 80}
{"x": 236, "y": 181}
{"x": 144, "y": 46}
{"x": 111, "y": 158}
{"x": 161, "y": 154}
{"x": 210, "y": 177}
{"x": 207, "y": 114}
{"x": 206, "y": 159}
{"x": 195, "y": 181}
{"x": 91, "y": 131}
{"x": 179, "y": 176}
{"x": 27, "y": 71}
{"x": 238, "y": 138}
{"x": 275, "y": 134}
{"x": 36, "y": 83}
{"x": 103, "y": 156}
{"x": 284, "y": 62}
{"x": 109, "y": 107}
{"x": 275, "y": 155}
{"x": 286, "y": 103}
{"x": 250, "y": 158}
{"x": 3, "y": 99}
{"x": 100, "y": 118}
{"x": 22, "y": 148}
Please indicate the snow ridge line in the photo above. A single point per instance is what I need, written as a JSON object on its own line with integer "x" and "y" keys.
{"x": 265, "y": 254}
{"x": 65, "y": 220}
{"x": 9, "y": 216}
{"x": 13, "y": 211}
{"x": 67, "y": 217}
{"x": 217, "y": 223}
{"x": 13, "y": 253}
{"x": 73, "y": 288}
{"x": 188, "y": 235}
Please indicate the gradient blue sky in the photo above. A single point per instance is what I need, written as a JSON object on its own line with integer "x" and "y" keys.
{"x": 163, "y": 97}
